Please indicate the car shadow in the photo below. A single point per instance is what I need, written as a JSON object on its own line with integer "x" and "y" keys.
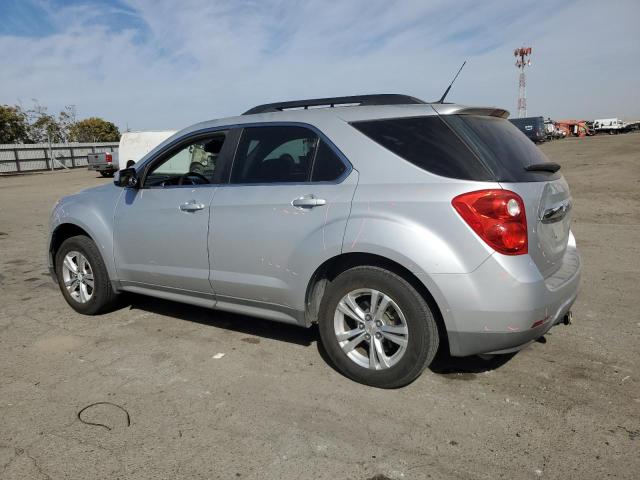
{"x": 444, "y": 364}
{"x": 230, "y": 321}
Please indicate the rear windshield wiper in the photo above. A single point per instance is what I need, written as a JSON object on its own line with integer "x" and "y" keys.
{"x": 543, "y": 167}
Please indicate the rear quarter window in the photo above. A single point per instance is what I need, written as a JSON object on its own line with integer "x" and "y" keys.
{"x": 428, "y": 143}
{"x": 502, "y": 147}
{"x": 467, "y": 147}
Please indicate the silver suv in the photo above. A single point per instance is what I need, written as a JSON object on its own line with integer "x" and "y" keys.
{"x": 398, "y": 226}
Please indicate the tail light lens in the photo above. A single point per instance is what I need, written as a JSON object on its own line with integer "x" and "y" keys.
{"x": 108, "y": 157}
{"x": 498, "y": 217}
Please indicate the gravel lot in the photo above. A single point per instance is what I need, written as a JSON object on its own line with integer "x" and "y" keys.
{"x": 272, "y": 407}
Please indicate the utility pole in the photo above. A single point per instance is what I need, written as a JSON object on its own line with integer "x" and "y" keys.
{"x": 522, "y": 61}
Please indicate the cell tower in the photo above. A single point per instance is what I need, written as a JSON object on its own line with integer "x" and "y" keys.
{"x": 522, "y": 61}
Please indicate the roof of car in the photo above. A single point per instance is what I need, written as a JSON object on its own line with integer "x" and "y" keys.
{"x": 345, "y": 109}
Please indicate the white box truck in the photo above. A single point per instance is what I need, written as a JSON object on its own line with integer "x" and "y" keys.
{"x": 609, "y": 125}
{"x": 135, "y": 145}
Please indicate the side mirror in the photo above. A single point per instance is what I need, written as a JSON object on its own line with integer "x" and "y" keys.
{"x": 127, "y": 178}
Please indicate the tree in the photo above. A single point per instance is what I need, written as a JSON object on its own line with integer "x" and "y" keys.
{"x": 14, "y": 126}
{"x": 94, "y": 129}
{"x": 46, "y": 127}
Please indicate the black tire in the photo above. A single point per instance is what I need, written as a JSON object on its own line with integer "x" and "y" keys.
{"x": 103, "y": 297}
{"x": 106, "y": 174}
{"x": 422, "y": 344}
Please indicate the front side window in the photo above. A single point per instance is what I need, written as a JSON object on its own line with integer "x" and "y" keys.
{"x": 274, "y": 155}
{"x": 191, "y": 164}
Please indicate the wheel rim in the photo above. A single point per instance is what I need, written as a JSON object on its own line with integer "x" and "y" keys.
{"x": 77, "y": 275}
{"x": 371, "y": 329}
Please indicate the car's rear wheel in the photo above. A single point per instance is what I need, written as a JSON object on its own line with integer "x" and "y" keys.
{"x": 83, "y": 277}
{"x": 377, "y": 328}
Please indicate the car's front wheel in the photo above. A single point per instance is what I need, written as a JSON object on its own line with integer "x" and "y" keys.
{"x": 83, "y": 277}
{"x": 377, "y": 328}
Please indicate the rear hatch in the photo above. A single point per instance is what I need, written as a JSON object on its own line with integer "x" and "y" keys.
{"x": 520, "y": 166}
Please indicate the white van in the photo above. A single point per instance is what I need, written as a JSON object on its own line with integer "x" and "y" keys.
{"x": 135, "y": 145}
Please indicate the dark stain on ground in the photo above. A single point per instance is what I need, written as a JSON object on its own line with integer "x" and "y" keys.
{"x": 24, "y": 299}
{"x": 1, "y": 278}
{"x": 250, "y": 340}
{"x": 31, "y": 279}
{"x": 3, "y": 234}
{"x": 633, "y": 434}
{"x": 460, "y": 376}
{"x": 16, "y": 261}
{"x": 379, "y": 476}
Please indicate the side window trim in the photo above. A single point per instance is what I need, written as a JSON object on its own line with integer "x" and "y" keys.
{"x": 322, "y": 138}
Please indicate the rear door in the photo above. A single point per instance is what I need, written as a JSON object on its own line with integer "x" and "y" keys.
{"x": 282, "y": 214}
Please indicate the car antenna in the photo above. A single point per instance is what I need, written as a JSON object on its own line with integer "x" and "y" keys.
{"x": 446, "y": 92}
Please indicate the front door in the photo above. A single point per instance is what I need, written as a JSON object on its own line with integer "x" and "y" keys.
{"x": 161, "y": 228}
{"x": 283, "y": 212}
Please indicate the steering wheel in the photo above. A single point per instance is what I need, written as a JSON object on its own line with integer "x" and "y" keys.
{"x": 189, "y": 176}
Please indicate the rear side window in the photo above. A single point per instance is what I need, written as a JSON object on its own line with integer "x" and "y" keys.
{"x": 502, "y": 147}
{"x": 428, "y": 143}
{"x": 274, "y": 155}
{"x": 327, "y": 166}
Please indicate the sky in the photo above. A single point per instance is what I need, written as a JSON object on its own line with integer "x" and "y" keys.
{"x": 162, "y": 64}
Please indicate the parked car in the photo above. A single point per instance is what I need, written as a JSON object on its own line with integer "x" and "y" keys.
{"x": 552, "y": 132}
{"x": 103, "y": 162}
{"x": 532, "y": 127}
{"x": 135, "y": 145}
{"x": 397, "y": 226}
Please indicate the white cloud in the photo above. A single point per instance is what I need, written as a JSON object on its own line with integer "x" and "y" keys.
{"x": 173, "y": 64}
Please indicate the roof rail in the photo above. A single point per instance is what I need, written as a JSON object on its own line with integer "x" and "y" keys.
{"x": 379, "y": 99}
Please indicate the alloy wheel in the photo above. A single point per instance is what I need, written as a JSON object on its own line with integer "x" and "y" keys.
{"x": 371, "y": 329}
{"x": 77, "y": 275}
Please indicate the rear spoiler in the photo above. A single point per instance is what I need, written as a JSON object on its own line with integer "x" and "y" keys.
{"x": 460, "y": 110}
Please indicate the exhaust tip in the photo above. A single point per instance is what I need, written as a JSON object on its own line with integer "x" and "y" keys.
{"x": 568, "y": 318}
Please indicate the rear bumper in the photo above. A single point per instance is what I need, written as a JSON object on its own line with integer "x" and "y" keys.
{"x": 106, "y": 167}
{"x": 506, "y": 303}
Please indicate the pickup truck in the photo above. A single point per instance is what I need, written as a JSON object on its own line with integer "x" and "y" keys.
{"x": 103, "y": 162}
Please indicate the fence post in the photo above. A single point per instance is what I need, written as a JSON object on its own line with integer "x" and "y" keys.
{"x": 15, "y": 154}
{"x": 73, "y": 158}
{"x": 46, "y": 158}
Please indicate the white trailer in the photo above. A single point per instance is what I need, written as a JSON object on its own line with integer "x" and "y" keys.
{"x": 609, "y": 125}
{"x": 135, "y": 145}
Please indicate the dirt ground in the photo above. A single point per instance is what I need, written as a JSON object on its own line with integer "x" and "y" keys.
{"x": 271, "y": 407}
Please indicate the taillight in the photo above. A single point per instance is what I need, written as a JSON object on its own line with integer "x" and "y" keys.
{"x": 108, "y": 157}
{"x": 498, "y": 217}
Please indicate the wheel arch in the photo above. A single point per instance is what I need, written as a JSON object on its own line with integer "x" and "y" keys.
{"x": 332, "y": 267}
{"x": 61, "y": 233}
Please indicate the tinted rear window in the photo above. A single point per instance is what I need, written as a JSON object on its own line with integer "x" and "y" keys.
{"x": 467, "y": 147}
{"x": 428, "y": 143}
{"x": 502, "y": 147}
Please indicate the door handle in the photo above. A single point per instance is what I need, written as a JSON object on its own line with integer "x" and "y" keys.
{"x": 308, "y": 201}
{"x": 191, "y": 206}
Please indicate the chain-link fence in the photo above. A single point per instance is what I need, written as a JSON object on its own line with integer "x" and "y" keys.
{"x": 42, "y": 156}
